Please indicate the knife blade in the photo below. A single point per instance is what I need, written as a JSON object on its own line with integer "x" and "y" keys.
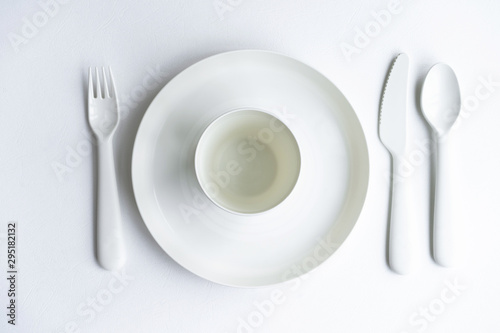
{"x": 393, "y": 107}
{"x": 393, "y": 134}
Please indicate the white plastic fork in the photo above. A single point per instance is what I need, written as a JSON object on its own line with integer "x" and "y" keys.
{"x": 103, "y": 119}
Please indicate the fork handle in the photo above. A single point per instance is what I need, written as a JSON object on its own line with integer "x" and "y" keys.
{"x": 110, "y": 248}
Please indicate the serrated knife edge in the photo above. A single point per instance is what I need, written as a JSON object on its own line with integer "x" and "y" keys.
{"x": 392, "y": 117}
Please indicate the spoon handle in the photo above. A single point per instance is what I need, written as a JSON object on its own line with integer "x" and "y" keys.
{"x": 400, "y": 232}
{"x": 445, "y": 238}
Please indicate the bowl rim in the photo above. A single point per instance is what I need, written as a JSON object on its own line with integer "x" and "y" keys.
{"x": 197, "y": 158}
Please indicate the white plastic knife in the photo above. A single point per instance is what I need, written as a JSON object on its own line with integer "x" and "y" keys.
{"x": 392, "y": 131}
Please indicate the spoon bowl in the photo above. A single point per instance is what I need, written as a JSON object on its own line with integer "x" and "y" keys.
{"x": 440, "y": 98}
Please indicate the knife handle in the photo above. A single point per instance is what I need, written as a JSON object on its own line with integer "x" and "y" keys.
{"x": 445, "y": 237}
{"x": 400, "y": 250}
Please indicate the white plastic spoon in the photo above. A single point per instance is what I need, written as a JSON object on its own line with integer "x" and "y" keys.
{"x": 440, "y": 102}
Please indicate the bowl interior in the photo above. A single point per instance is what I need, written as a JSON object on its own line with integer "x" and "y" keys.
{"x": 247, "y": 161}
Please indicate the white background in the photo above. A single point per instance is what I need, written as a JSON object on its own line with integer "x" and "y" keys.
{"x": 43, "y": 116}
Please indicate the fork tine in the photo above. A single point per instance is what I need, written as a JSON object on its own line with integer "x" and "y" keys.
{"x": 112, "y": 89}
{"x": 98, "y": 84}
{"x": 106, "y": 93}
{"x": 91, "y": 85}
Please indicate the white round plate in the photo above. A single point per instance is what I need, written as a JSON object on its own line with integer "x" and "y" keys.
{"x": 275, "y": 246}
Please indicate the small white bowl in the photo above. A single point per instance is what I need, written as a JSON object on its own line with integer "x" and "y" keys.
{"x": 247, "y": 161}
